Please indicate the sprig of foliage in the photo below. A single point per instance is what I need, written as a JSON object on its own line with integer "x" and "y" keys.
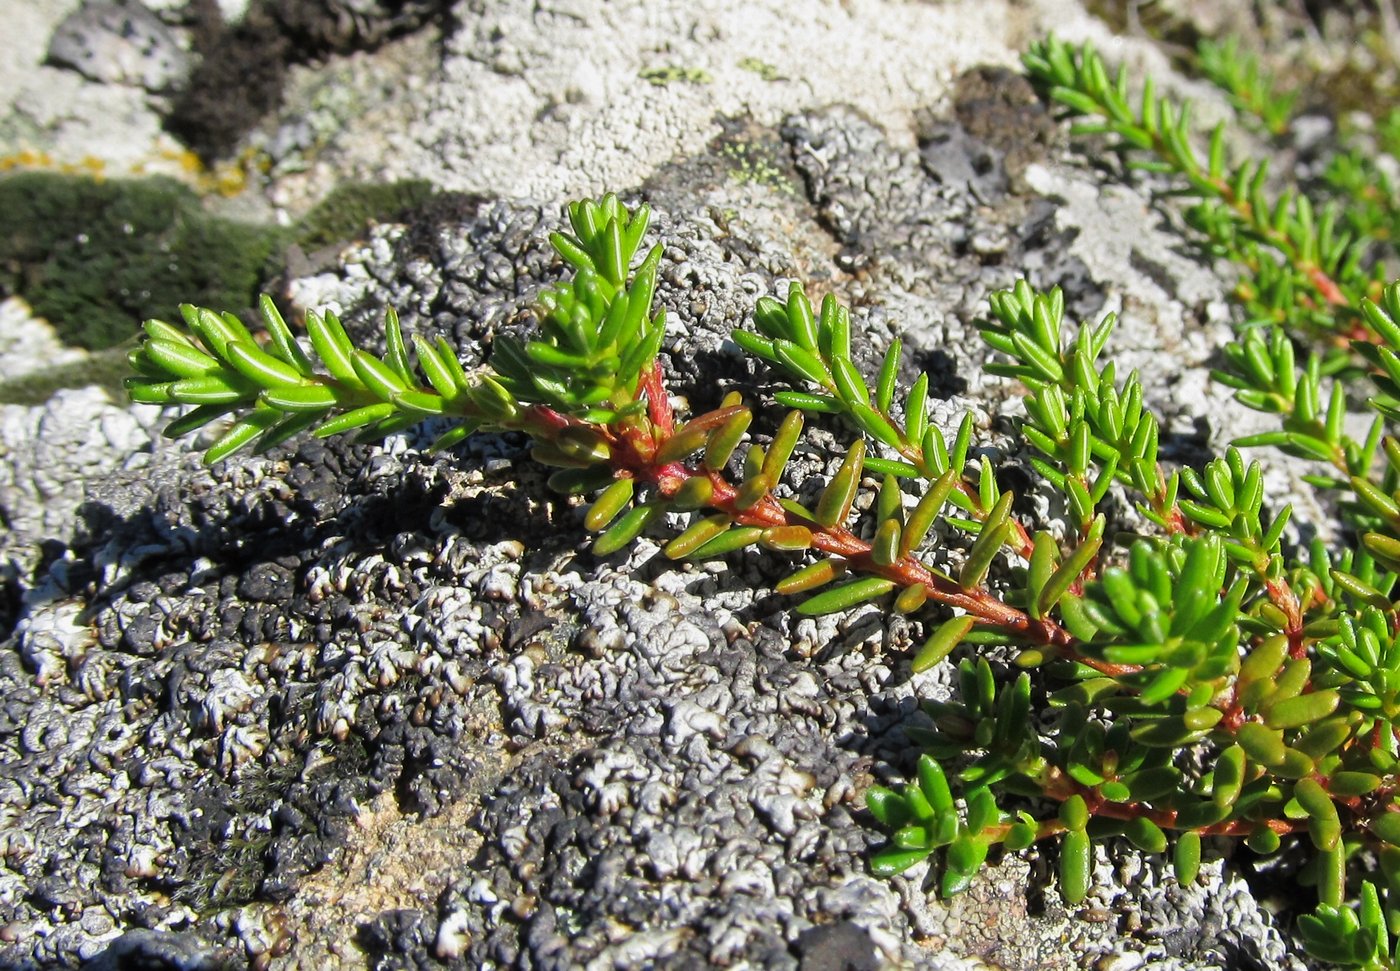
{"x": 1090, "y": 432}
{"x": 1263, "y": 370}
{"x": 1312, "y": 412}
{"x": 1283, "y": 675}
{"x": 1278, "y": 673}
{"x": 1252, "y": 91}
{"x": 1314, "y": 633}
{"x": 814, "y": 350}
{"x": 1357, "y": 938}
{"x": 1366, "y": 189}
{"x": 1300, "y": 269}
{"x": 583, "y": 384}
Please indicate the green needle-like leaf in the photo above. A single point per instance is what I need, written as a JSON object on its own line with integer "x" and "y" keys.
{"x": 1076, "y": 858}
{"x": 941, "y": 643}
{"x": 927, "y": 510}
{"x": 259, "y": 367}
{"x": 780, "y": 449}
{"x": 625, "y": 530}
{"x": 846, "y": 596}
{"x": 613, "y": 500}
{"x": 332, "y": 346}
{"x": 1186, "y": 859}
{"x": 180, "y": 358}
{"x": 1073, "y": 566}
{"x": 834, "y": 505}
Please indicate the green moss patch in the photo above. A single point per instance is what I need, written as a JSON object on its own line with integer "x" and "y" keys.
{"x": 349, "y": 209}
{"x": 95, "y": 258}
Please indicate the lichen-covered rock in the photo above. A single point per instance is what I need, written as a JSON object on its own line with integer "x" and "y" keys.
{"x": 346, "y": 25}
{"x": 52, "y": 453}
{"x": 120, "y": 42}
{"x": 143, "y": 949}
{"x": 661, "y": 748}
{"x": 346, "y": 703}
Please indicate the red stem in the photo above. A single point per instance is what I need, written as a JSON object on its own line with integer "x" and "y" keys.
{"x": 668, "y": 478}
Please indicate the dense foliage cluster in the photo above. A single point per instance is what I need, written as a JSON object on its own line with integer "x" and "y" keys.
{"x": 1207, "y": 680}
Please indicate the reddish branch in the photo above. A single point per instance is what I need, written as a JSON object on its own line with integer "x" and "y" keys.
{"x": 632, "y": 449}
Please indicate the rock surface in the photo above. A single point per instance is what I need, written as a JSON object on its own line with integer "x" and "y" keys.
{"x": 352, "y": 705}
{"x": 120, "y": 43}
